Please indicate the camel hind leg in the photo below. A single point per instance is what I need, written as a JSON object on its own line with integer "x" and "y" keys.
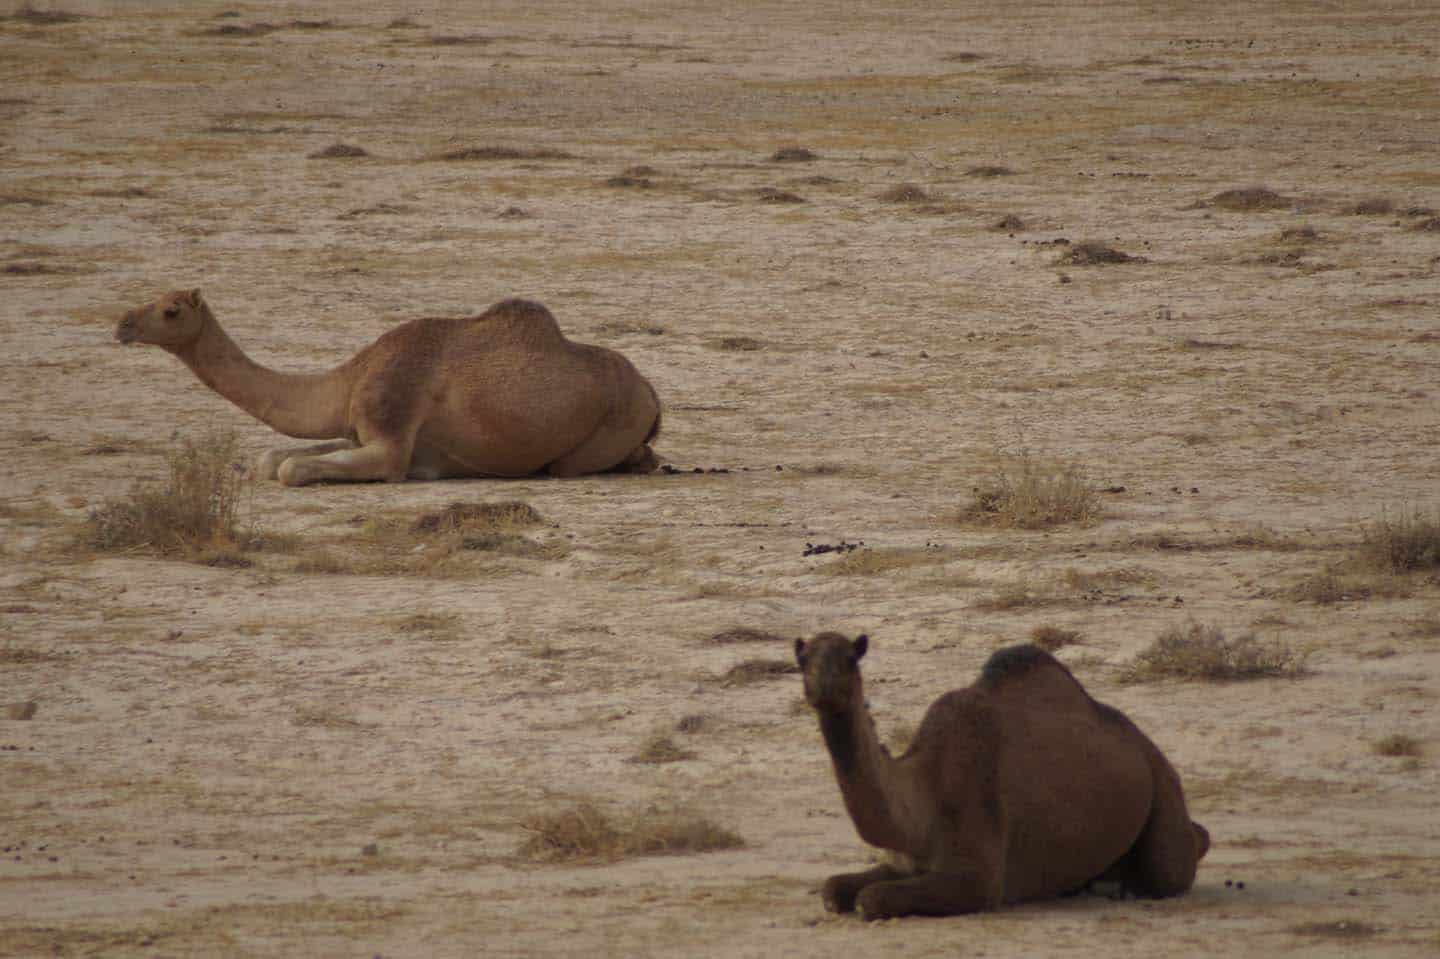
{"x": 606, "y": 452}
{"x": 1164, "y": 859}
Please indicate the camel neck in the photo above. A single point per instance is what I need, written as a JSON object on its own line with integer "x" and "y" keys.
{"x": 871, "y": 782}
{"x": 309, "y": 406}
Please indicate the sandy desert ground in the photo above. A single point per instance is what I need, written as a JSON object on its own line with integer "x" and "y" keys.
{"x": 341, "y": 748}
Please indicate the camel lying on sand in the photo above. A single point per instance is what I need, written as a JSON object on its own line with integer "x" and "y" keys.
{"x": 499, "y": 394}
{"x": 1018, "y": 787}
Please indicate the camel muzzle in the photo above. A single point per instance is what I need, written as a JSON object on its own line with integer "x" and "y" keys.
{"x": 127, "y": 329}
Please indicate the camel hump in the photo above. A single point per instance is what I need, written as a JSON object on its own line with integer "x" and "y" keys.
{"x": 516, "y": 310}
{"x": 1018, "y": 662}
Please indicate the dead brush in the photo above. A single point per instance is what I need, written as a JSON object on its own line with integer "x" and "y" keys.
{"x": 585, "y": 832}
{"x": 1031, "y": 496}
{"x": 1408, "y": 542}
{"x": 195, "y": 511}
{"x": 1197, "y": 651}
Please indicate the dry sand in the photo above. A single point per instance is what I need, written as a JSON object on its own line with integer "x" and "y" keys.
{"x": 269, "y": 761}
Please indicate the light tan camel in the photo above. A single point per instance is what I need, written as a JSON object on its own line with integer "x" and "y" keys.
{"x": 1018, "y": 787}
{"x": 499, "y": 394}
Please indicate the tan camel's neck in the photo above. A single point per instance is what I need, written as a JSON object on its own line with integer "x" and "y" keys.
{"x": 877, "y": 792}
{"x": 308, "y": 406}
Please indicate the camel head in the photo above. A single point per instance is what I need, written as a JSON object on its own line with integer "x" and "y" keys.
{"x": 831, "y": 664}
{"x": 171, "y": 321}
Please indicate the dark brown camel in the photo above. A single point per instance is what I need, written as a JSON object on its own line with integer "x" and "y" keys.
{"x": 1018, "y": 787}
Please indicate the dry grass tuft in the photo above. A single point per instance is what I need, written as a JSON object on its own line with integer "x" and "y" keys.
{"x": 1009, "y": 222}
{"x": 1337, "y": 929}
{"x": 1196, "y": 651}
{"x": 505, "y": 153}
{"x": 793, "y": 155}
{"x": 194, "y": 511}
{"x": 905, "y": 193}
{"x": 1398, "y": 745}
{"x": 1031, "y": 496}
{"x": 338, "y": 151}
{"x": 758, "y": 671}
{"x": 29, "y": 13}
{"x": 479, "y": 518}
{"x": 770, "y": 194}
{"x": 1408, "y": 542}
{"x": 988, "y": 170}
{"x": 1253, "y": 199}
{"x": 871, "y": 562}
{"x": 659, "y": 749}
{"x": 584, "y": 832}
{"x": 1371, "y": 206}
{"x": 743, "y": 634}
{"x": 1050, "y": 638}
{"x": 739, "y": 344}
{"x": 1093, "y": 253}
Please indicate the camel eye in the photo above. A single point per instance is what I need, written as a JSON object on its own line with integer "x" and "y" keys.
{"x": 172, "y": 312}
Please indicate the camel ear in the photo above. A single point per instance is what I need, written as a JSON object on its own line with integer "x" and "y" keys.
{"x": 800, "y": 650}
{"x": 862, "y": 643}
{"x": 194, "y": 296}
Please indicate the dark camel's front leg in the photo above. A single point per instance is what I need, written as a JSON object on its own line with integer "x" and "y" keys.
{"x": 928, "y": 894}
{"x": 839, "y": 892}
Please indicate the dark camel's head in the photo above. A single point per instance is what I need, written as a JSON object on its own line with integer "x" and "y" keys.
{"x": 831, "y": 664}
{"x": 171, "y": 321}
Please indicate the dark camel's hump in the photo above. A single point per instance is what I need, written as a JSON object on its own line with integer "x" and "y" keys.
{"x": 1018, "y": 662}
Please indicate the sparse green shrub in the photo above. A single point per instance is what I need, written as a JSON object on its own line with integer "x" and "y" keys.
{"x": 1196, "y": 651}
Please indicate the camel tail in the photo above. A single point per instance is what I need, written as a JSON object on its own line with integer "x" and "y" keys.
{"x": 1202, "y": 840}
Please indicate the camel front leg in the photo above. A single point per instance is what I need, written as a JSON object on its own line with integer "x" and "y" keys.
{"x": 929, "y": 894}
{"x": 373, "y": 461}
{"x": 267, "y": 465}
{"x": 839, "y": 892}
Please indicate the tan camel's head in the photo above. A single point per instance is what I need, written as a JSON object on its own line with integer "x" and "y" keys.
{"x": 171, "y": 321}
{"x": 831, "y": 664}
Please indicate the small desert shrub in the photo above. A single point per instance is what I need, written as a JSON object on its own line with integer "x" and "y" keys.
{"x": 988, "y": 169}
{"x": 339, "y": 151}
{"x": 1372, "y": 206}
{"x": 792, "y": 155}
{"x": 586, "y": 832}
{"x": 1250, "y": 200}
{"x": 1030, "y": 496}
{"x": 743, "y": 634}
{"x": 1196, "y": 651}
{"x": 505, "y": 153}
{"x": 1016, "y": 595}
{"x": 1338, "y": 929}
{"x": 660, "y": 748}
{"x": 1408, "y": 542}
{"x": 1398, "y": 745}
{"x": 195, "y": 510}
{"x": 872, "y": 562}
{"x": 1051, "y": 638}
{"x": 905, "y": 193}
{"x": 757, "y": 671}
{"x": 1094, "y": 253}
{"x": 478, "y": 518}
